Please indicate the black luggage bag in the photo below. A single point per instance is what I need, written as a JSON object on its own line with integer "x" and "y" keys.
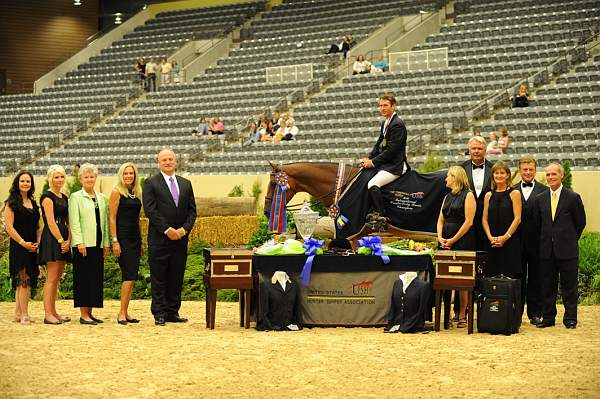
{"x": 499, "y": 305}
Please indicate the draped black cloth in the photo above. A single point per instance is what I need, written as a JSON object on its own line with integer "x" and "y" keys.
{"x": 412, "y": 202}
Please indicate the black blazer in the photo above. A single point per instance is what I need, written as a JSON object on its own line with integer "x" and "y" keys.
{"x": 561, "y": 235}
{"x": 162, "y": 212}
{"x": 389, "y": 153}
{"x": 529, "y": 234}
{"x": 487, "y": 179}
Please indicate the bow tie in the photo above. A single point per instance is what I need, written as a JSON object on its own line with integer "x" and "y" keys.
{"x": 477, "y": 166}
{"x": 530, "y": 184}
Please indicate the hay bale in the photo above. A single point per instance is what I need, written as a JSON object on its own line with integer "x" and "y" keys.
{"x": 228, "y": 230}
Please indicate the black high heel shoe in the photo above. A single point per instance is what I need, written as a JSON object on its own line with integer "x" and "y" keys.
{"x": 88, "y": 322}
{"x": 122, "y": 322}
{"x": 132, "y": 320}
{"x": 98, "y": 321}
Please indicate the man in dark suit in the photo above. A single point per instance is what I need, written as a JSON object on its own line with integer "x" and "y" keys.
{"x": 388, "y": 155}
{"x": 560, "y": 215}
{"x": 171, "y": 209}
{"x": 479, "y": 174}
{"x": 531, "y": 279}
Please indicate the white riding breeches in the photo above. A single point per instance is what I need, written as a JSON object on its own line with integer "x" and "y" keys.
{"x": 382, "y": 178}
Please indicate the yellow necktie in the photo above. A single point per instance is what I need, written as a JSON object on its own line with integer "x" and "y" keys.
{"x": 553, "y": 204}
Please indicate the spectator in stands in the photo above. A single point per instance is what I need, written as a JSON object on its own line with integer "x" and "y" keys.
{"x": 275, "y": 119}
{"x": 88, "y": 221}
{"x": 202, "y": 128}
{"x": 22, "y": 221}
{"x": 253, "y": 134}
{"x": 347, "y": 43}
{"x": 290, "y": 131}
{"x": 492, "y": 148}
{"x": 267, "y": 133}
{"x": 55, "y": 242}
{"x": 140, "y": 67}
{"x": 262, "y": 118}
{"x": 215, "y": 126}
{"x": 361, "y": 66}
{"x": 503, "y": 140}
{"x": 175, "y": 71}
{"x": 379, "y": 66}
{"x": 521, "y": 100}
{"x": 165, "y": 71}
{"x": 501, "y": 219}
{"x": 281, "y": 123}
{"x": 151, "y": 75}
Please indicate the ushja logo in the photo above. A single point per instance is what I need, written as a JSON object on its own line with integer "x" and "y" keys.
{"x": 362, "y": 288}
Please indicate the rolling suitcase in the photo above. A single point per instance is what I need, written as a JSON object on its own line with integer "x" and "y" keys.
{"x": 499, "y": 305}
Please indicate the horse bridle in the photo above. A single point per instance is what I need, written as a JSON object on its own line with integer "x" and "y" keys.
{"x": 297, "y": 206}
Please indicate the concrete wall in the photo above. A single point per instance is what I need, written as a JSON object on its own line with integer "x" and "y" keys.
{"x": 585, "y": 183}
{"x": 35, "y": 36}
{"x": 91, "y": 50}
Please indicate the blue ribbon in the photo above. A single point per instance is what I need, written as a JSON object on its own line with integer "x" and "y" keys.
{"x": 311, "y": 245}
{"x": 374, "y": 243}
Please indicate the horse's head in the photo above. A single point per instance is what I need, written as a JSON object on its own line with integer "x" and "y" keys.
{"x": 275, "y": 169}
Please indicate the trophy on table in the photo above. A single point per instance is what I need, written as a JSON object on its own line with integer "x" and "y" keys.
{"x": 306, "y": 220}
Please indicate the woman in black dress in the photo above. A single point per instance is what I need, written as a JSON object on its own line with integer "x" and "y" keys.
{"x": 501, "y": 219}
{"x": 22, "y": 220}
{"x": 455, "y": 221}
{"x": 125, "y": 206}
{"x": 55, "y": 242}
{"x": 88, "y": 219}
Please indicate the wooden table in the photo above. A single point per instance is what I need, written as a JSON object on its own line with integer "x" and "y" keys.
{"x": 229, "y": 268}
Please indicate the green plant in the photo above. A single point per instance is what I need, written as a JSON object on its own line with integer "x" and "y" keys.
{"x": 73, "y": 185}
{"x": 45, "y": 186}
{"x": 256, "y": 190}
{"x": 261, "y": 235}
{"x": 317, "y": 206}
{"x": 236, "y": 191}
{"x": 431, "y": 164}
{"x": 589, "y": 268}
{"x": 567, "y": 180}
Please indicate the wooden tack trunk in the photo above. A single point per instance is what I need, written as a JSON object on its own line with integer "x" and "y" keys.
{"x": 455, "y": 268}
{"x": 228, "y": 267}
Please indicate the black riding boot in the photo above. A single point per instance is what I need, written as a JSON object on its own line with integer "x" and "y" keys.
{"x": 376, "y": 218}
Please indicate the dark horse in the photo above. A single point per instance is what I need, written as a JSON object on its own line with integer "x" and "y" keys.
{"x": 423, "y": 192}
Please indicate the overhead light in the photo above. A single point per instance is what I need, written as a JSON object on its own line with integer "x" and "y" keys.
{"x": 145, "y": 6}
{"x": 76, "y": 2}
{"x": 423, "y": 12}
{"x": 118, "y": 18}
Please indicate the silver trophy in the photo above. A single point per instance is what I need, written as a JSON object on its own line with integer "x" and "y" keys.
{"x": 306, "y": 219}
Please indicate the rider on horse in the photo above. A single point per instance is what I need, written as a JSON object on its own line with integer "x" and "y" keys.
{"x": 388, "y": 156}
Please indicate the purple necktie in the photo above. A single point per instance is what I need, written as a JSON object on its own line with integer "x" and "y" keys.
{"x": 174, "y": 191}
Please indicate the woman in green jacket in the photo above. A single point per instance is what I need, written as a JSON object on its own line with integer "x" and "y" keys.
{"x": 88, "y": 220}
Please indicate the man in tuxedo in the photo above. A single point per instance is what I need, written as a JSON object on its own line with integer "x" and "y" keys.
{"x": 171, "y": 209}
{"x": 531, "y": 279}
{"x": 388, "y": 155}
{"x": 479, "y": 173}
{"x": 560, "y": 215}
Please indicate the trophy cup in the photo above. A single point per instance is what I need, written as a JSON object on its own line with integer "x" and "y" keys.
{"x": 305, "y": 219}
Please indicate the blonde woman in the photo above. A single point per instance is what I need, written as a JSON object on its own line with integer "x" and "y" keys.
{"x": 501, "y": 219}
{"x": 124, "y": 219}
{"x": 55, "y": 241}
{"x": 454, "y": 227}
{"x": 88, "y": 219}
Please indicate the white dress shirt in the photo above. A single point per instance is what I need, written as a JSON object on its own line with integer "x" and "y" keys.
{"x": 527, "y": 190}
{"x": 478, "y": 176}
